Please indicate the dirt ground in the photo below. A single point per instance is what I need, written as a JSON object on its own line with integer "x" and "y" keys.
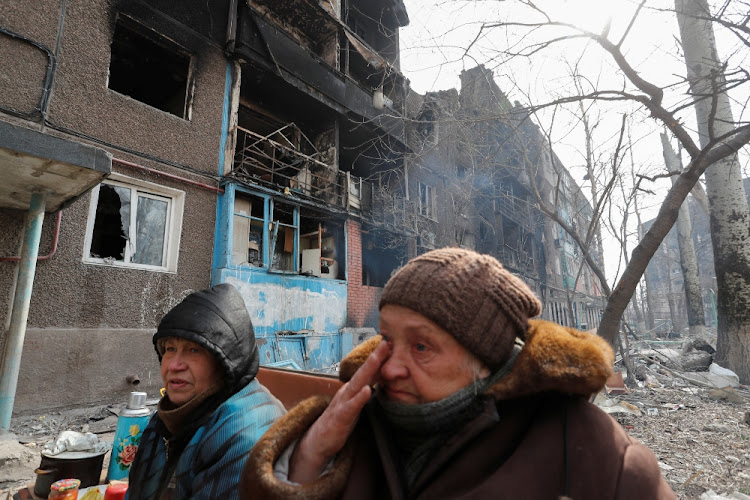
{"x": 702, "y": 442}
{"x": 701, "y": 437}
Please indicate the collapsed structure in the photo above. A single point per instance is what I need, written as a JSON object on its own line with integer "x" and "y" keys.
{"x": 275, "y": 146}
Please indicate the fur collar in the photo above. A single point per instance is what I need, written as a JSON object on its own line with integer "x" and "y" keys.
{"x": 554, "y": 358}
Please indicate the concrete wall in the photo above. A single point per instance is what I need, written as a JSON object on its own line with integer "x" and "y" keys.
{"x": 90, "y": 325}
{"x": 57, "y": 373}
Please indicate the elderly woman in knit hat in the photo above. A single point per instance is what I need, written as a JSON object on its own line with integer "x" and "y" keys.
{"x": 462, "y": 396}
{"x": 213, "y": 410}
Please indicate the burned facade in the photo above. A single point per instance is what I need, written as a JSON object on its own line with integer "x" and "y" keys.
{"x": 474, "y": 163}
{"x": 241, "y": 135}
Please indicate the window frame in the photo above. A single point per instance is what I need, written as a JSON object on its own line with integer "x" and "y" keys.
{"x": 155, "y": 37}
{"x": 427, "y": 206}
{"x": 268, "y": 232}
{"x": 172, "y": 230}
{"x": 273, "y": 233}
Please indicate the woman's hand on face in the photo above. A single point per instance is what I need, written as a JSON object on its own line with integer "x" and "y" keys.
{"x": 329, "y": 433}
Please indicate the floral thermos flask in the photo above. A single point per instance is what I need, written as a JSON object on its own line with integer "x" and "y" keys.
{"x": 130, "y": 424}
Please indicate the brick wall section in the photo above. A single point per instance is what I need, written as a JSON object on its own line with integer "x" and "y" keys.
{"x": 362, "y": 301}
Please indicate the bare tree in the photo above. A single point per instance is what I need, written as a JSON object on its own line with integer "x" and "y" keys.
{"x": 688, "y": 261}
{"x": 723, "y": 143}
{"x": 730, "y": 218}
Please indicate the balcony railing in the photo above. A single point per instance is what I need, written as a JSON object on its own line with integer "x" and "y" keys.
{"x": 516, "y": 209}
{"x": 276, "y": 161}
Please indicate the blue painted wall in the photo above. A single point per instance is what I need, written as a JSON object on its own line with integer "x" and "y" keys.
{"x": 278, "y": 303}
{"x": 314, "y": 309}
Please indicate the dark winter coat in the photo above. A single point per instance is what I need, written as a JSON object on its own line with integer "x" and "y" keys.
{"x": 205, "y": 457}
{"x": 537, "y": 438}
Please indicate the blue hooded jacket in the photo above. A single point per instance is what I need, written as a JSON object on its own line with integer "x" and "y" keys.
{"x": 205, "y": 458}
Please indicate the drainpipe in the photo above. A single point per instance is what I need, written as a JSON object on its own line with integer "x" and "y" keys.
{"x": 20, "y": 311}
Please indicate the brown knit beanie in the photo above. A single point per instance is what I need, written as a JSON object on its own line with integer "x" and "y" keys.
{"x": 470, "y": 295}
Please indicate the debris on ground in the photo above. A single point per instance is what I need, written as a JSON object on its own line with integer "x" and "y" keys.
{"x": 693, "y": 414}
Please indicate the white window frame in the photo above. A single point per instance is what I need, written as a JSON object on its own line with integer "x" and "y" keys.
{"x": 172, "y": 233}
{"x": 426, "y": 206}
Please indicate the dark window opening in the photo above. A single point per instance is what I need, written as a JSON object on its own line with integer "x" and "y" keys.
{"x": 111, "y": 227}
{"x": 150, "y": 69}
{"x": 426, "y": 126}
{"x": 381, "y": 256}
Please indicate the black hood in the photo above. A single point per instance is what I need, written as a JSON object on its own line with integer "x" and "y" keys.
{"x": 216, "y": 319}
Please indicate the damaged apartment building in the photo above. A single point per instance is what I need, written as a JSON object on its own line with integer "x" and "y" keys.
{"x": 151, "y": 148}
{"x": 474, "y": 163}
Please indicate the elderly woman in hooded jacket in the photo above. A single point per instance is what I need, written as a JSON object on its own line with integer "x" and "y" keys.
{"x": 213, "y": 410}
{"x": 462, "y": 396}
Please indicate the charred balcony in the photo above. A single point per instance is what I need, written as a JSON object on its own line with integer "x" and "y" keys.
{"x": 307, "y": 58}
{"x": 286, "y": 160}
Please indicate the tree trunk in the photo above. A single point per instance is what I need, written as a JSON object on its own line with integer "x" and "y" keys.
{"x": 730, "y": 220}
{"x": 649, "y": 244}
{"x": 693, "y": 297}
{"x": 670, "y": 293}
{"x": 645, "y": 290}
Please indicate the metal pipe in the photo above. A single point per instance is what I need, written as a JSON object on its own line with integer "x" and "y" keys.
{"x": 20, "y": 312}
{"x": 54, "y": 244}
{"x": 164, "y": 174}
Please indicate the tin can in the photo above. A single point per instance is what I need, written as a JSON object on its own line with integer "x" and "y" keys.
{"x": 130, "y": 424}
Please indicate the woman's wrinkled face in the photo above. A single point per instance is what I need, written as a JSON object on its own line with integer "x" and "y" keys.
{"x": 426, "y": 363}
{"x": 187, "y": 369}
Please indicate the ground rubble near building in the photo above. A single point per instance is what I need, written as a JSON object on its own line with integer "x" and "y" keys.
{"x": 696, "y": 421}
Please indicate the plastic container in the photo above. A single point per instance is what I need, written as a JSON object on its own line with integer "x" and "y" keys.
{"x": 115, "y": 491}
{"x": 64, "y": 489}
{"x": 130, "y": 424}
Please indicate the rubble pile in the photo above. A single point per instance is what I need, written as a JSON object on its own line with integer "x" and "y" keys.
{"x": 21, "y": 455}
{"x": 691, "y": 412}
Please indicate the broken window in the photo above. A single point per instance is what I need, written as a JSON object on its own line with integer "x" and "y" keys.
{"x": 132, "y": 226}
{"x": 150, "y": 68}
{"x": 247, "y": 244}
{"x": 426, "y": 200}
{"x": 284, "y": 237}
{"x": 426, "y": 125}
{"x": 322, "y": 246}
{"x": 283, "y": 230}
